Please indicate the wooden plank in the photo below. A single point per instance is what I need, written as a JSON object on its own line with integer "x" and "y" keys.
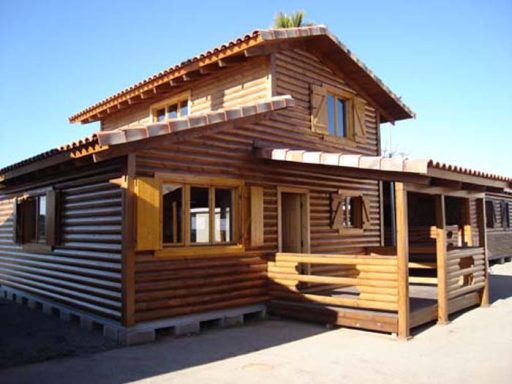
{"x": 257, "y": 218}
{"x": 482, "y": 232}
{"x": 441, "y": 251}
{"x": 128, "y": 241}
{"x": 149, "y": 214}
{"x": 402, "y": 242}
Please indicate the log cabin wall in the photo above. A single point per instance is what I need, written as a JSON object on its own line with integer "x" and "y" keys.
{"x": 499, "y": 236}
{"x": 84, "y": 270}
{"x": 233, "y": 86}
{"x": 166, "y": 287}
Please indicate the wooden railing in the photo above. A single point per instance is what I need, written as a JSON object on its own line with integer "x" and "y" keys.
{"x": 358, "y": 281}
{"x": 465, "y": 270}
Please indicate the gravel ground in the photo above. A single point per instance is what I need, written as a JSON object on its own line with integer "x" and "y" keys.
{"x": 28, "y": 336}
{"x": 476, "y": 347}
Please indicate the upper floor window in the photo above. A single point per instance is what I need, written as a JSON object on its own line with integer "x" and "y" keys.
{"x": 338, "y": 113}
{"x": 172, "y": 108}
{"x": 337, "y": 116}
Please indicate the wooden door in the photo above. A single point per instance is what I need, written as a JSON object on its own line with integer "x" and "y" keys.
{"x": 291, "y": 222}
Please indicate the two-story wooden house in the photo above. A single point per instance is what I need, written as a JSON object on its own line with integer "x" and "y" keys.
{"x": 248, "y": 177}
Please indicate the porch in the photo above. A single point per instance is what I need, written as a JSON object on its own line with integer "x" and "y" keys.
{"x": 433, "y": 271}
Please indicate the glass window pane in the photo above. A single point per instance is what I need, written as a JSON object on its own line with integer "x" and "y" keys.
{"x": 340, "y": 105}
{"x": 184, "y": 108}
{"x": 172, "y": 213}
{"x": 160, "y": 114}
{"x": 172, "y": 111}
{"x": 199, "y": 215}
{"x": 41, "y": 220}
{"x": 330, "y": 115}
{"x": 30, "y": 214}
{"x": 223, "y": 215}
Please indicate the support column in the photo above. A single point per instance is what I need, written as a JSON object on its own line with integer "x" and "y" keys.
{"x": 442, "y": 277}
{"x": 402, "y": 246}
{"x": 482, "y": 236}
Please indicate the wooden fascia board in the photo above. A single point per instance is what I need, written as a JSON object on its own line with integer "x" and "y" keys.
{"x": 432, "y": 190}
{"x": 463, "y": 178}
{"x": 361, "y": 173}
{"x": 192, "y": 67}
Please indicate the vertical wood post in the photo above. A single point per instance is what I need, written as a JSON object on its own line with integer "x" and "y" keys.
{"x": 442, "y": 277}
{"x": 402, "y": 246}
{"x": 482, "y": 235}
{"x": 128, "y": 245}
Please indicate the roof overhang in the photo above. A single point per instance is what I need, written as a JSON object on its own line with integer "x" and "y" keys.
{"x": 106, "y": 145}
{"x": 436, "y": 176}
{"x": 261, "y": 42}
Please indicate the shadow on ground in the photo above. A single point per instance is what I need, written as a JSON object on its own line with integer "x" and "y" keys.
{"x": 165, "y": 355}
{"x": 500, "y": 287}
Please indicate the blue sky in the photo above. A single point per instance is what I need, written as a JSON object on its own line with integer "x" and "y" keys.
{"x": 450, "y": 61}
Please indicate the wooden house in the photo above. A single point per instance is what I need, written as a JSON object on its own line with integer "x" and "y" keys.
{"x": 248, "y": 178}
{"x": 499, "y": 226}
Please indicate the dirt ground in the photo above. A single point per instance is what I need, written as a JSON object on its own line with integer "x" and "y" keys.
{"x": 28, "y": 336}
{"x": 476, "y": 347}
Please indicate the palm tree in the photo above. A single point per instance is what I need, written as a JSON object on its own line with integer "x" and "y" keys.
{"x": 293, "y": 20}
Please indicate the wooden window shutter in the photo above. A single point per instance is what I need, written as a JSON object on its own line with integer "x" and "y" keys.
{"x": 318, "y": 109}
{"x": 366, "y": 212}
{"x": 359, "y": 120}
{"x": 52, "y": 217}
{"x": 257, "y": 218}
{"x": 17, "y": 222}
{"x": 149, "y": 214}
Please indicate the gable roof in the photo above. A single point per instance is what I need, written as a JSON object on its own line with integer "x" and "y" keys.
{"x": 260, "y": 42}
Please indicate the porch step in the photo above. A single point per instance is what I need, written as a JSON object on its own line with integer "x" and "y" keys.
{"x": 333, "y": 315}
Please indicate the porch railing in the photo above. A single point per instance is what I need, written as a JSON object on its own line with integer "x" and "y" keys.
{"x": 357, "y": 281}
{"x": 465, "y": 270}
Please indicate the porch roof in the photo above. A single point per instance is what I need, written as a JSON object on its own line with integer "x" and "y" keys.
{"x": 430, "y": 172}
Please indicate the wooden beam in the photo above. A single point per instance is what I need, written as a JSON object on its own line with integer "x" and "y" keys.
{"x": 402, "y": 243}
{"x": 446, "y": 183}
{"x": 232, "y": 60}
{"x": 441, "y": 249}
{"x": 482, "y": 235}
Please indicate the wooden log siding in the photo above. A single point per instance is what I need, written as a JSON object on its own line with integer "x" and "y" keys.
{"x": 171, "y": 287}
{"x": 375, "y": 279}
{"x": 295, "y": 72}
{"x": 84, "y": 270}
{"x": 238, "y": 85}
{"x": 499, "y": 238}
{"x": 223, "y": 284}
{"x": 465, "y": 271}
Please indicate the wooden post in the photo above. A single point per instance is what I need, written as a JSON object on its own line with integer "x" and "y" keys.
{"x": 128, "y": 246}
{"x": 482, "y": 235}
{"x": 442, "y": 277}
{"x": 402, "y": 246}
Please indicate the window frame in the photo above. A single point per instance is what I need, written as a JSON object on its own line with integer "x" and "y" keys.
{"x": 361, "y": 223}
{"x": 348, "y": 102}
{"x": 505, "y": 213}
{"x": 39, "y": 245}
{"x": 170, "y": 101}
{"x": 490, "y": 221}
{"x": 187, "y": 247}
